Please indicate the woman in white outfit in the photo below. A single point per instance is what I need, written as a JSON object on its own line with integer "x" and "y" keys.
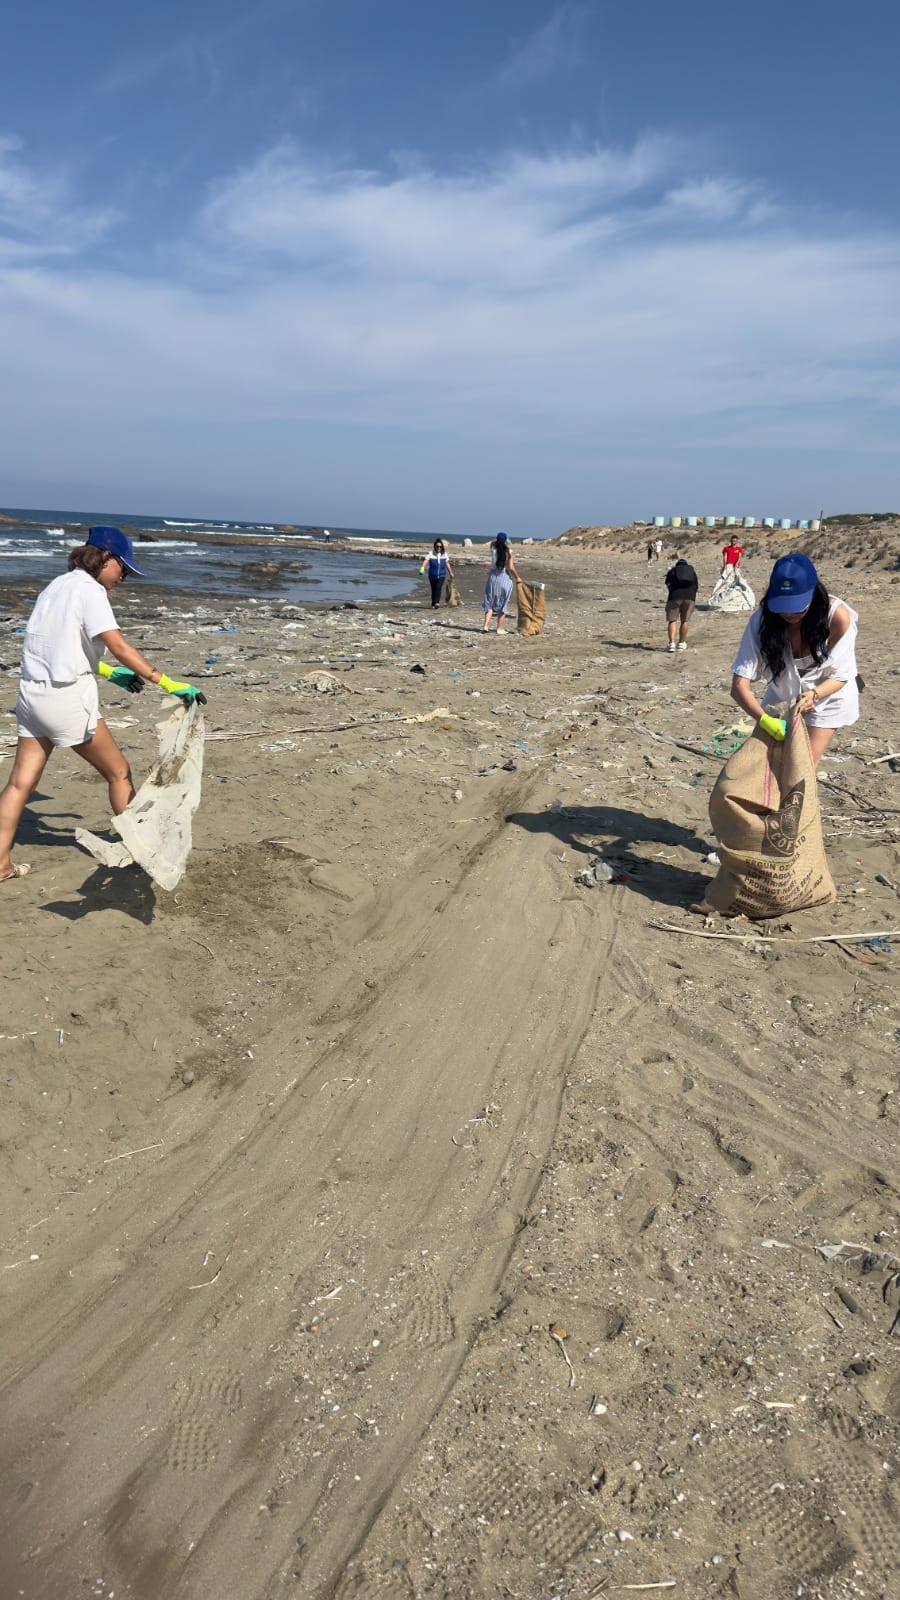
{"x": 803, "y": 642}
{"x": 58, "y": 705}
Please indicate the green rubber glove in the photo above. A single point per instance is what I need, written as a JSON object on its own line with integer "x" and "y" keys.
{"x": 182, "y": 691}
{"x": 776, "y": 727}
{"x": 122, "y": 677}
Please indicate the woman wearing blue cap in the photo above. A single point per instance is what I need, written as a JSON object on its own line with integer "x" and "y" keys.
{"x": 803, "y": 641}
{"x": 58, "y": 705}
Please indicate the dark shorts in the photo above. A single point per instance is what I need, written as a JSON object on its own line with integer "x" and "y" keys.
{"x": 679, "y": 610}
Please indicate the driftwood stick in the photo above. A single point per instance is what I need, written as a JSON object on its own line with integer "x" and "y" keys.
{"x": 338, "y": 727}
{"x": 769, "y": 938}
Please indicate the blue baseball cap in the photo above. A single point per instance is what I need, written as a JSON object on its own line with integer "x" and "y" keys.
{"x": 117, "y": 543}
{"x": 501, "y": 538}
{"x": 792, "y": 584}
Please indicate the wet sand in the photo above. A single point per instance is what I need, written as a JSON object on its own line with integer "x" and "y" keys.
{"x": 305, "y": 1161}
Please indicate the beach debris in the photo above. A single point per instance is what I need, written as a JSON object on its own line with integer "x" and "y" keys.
{"x": 124, "y": 1154}
{"x": 326, "y": 683}
{"x": 667, "y": 1583}
{"x": 830, "y": 1251}
{"x": 597, "y": 872}
{"x": 559, "y": 1334}
{"x": 209, "y": 1281}
{"x": 335, "y": 727}
{"x": 747, "y": 938}
{"x": 155, "y": 827}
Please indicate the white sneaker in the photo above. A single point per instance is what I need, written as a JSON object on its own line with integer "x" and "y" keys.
{"x": 671, "y": 647}
{"x": 682, "y": 646}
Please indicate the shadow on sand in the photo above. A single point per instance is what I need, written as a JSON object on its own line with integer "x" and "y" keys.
{"x": 613, "y": 833}
{"x": 126, "y": 889}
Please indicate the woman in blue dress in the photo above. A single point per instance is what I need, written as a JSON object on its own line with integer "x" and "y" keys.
{"x": 500, "y": 583}
{"x": 439, "y": 569}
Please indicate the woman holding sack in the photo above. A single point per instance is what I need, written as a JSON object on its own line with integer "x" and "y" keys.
{"x": 501, "y": 581}
{"x": 439, "y": 569}
{"x": 58, "y": 705}
{"x": 803, "y": 642}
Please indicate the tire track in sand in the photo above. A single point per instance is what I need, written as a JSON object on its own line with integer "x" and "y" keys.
{"x": 385, "y": 1193}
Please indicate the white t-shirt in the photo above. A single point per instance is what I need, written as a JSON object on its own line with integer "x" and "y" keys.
{"x": 840, "y": 709}
{"x": 61, "y": 638}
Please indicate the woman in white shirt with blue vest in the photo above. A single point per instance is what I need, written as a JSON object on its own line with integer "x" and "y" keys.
{"x": 58, "y": 705}
{"x": 439, "y": 569}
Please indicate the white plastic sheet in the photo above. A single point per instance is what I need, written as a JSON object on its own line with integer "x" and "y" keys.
{"x": 155, "y": 828}
{"x": 732, "y": 593}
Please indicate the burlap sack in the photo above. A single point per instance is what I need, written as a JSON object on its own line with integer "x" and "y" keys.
{"x": 451, "y": 596}
{"x": 764, "y": 811}
{"x": 532, "y": 603}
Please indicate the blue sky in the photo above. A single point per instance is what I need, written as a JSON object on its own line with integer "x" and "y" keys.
{"x": 376, "y": 263}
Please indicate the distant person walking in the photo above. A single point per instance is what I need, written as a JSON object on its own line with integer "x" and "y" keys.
{"x": 681, "y": 583}
{"x": 58, "y": 704}
{"x": 502, "y": 578}
{"x": 439, "y": 569}
{"x": 659, "y": 548}
{"x": 802, "y": 641}
{"x": 650, "y": 549}
{"x": 731, "y": 555}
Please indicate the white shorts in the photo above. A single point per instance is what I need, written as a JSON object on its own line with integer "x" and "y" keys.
{"x": 67, "y": 713}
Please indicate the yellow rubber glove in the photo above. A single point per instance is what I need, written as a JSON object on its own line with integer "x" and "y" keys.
{"x": 776, "y": 727}
{"x": 122, "y": 677}
{"x": 183, "y": 691}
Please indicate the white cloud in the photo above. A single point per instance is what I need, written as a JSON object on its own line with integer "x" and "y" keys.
{"x": 38, "y": 216}
{"x": 510, "y": 224}
{"x": 584, "y": 292}
{"x": 551, "y": 48}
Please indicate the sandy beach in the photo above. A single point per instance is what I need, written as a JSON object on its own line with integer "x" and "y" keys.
{"x": 387, "y": 1213}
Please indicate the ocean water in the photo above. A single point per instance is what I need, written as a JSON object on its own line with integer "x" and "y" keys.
{"x": 35, "y": 543}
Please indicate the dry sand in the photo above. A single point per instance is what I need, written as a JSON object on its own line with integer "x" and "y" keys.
{"x": 304, "y": 1162}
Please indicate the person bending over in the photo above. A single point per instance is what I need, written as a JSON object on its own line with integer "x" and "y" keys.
{"x": 802, "y": 642}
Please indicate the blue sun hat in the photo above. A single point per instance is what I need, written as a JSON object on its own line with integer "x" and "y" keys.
{"x": 117, "y": 543}
{"x": 792, "y": 584}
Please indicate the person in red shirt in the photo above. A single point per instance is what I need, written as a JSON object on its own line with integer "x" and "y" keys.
{"x": 731, "y": 553}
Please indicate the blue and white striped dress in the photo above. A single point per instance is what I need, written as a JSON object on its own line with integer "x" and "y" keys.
{"x": 497, "y": 590}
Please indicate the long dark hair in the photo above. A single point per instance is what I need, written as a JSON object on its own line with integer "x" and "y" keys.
{"x": 501, "y": 554}
{"x": 773, "y": 632}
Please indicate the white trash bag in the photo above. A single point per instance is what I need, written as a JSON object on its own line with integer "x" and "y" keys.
{"x": 155, "y": 826}
{"x": 732, "y": 593}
